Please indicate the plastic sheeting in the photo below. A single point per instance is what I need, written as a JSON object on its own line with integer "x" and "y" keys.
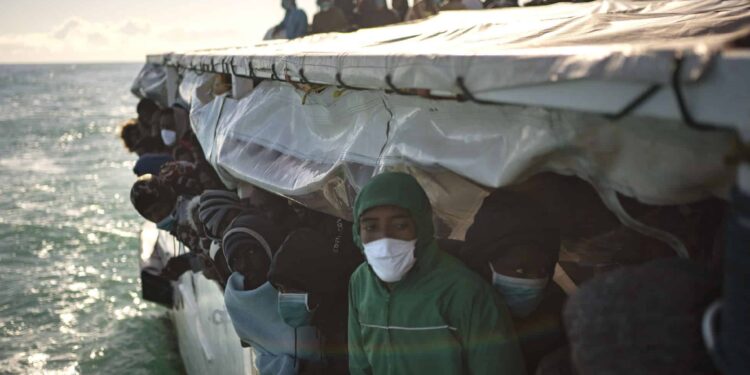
{"x": 151, "y": 83}
{"x": 321, "y": 152}
{"x": 494, "y": 49}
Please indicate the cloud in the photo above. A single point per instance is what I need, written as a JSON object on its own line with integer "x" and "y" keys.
{"x": 66, "y": 28}
{"x": 134, "y": 27}
{"x": 77, "y": 39}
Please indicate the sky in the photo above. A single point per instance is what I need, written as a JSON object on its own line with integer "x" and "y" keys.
{"x": 44, "y": 31}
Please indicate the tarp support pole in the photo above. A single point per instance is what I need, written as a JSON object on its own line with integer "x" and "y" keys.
{"x": 677, "y": 88}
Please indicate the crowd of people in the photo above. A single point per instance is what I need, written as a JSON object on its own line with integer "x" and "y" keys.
{"x": 315, "y": 294}
{"x": 351, "y": 15}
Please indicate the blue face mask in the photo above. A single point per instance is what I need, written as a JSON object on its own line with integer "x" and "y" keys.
{"x": 522, "y": 295}
{"x": 293, "y": 309}
{"x": 167, "y": 223}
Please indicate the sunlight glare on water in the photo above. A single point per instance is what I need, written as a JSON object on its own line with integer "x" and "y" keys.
{"x": 70, "y": 298}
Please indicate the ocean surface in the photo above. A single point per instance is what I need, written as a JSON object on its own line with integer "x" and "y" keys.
{"x": 69, "y": 286}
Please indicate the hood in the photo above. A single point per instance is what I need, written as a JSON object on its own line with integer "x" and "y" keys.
{"x": 401, "y": 190}
{"x": 310, "y": 261}
{"x": 507, "y": 219}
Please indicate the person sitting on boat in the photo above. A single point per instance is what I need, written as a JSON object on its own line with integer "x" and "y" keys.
{"x": 153, "y": 200}
{"x": 311, "y": 270}
{"x": 148, "y": 117}
{"x": 642, "y": 319}
{"x": 374, "y": 13}
{"x": 130, "y": 134}
{"x": 514, "y": 245}
{"x": 252, "y": 302}
{"x": 453, "y": 5}
{"x": 414, "y": 309}
{"x": 423, "y": 9}
{"x": 294, "y": 24}
{"x": 329, "y": 19}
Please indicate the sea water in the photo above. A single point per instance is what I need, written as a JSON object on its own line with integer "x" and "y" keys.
{"x": 69, "y": 287}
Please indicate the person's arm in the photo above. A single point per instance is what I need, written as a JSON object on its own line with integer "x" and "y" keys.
{"x": 489, "y": 343}
{"x": 358, "y": 363}
{"x": 734, "y": 336}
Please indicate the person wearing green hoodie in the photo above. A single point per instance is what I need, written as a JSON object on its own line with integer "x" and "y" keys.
{"x": 414, "y": 309}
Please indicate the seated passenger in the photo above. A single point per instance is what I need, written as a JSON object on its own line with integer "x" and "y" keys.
{"x": 130, "y": 134}
{"x": 329, "y": 19}
{"x": 453, "y": 5}
{"x": 218, "y": 208}
{"x": 401, "y": 7}
{"x": 374, "y": 13}
{"x": 642, "y": 320}
{"x": 189, "y": 178}
{"x": 148, "y": 117}
{"x": 414, "y": 309}
{"x": 423, "y": 9}
{"x": 154, "y": 201}
{"x": 294, "y": 23}
{"x": 311, "y": 272}
{"x": 150, "y": 163}
{"x": 514, "y": 245}
{"x": 252, "y": 302}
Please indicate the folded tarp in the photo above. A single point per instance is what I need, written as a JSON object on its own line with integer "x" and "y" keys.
{"x": 527, "y": 55}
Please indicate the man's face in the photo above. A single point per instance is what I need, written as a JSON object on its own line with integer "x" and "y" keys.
{"x": 253, "y": 265}
{"x": 523, "y": 261}
{"x": 158, "y": 212}
{"x": 387, "y": 222}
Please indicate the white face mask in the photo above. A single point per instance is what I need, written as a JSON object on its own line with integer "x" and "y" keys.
{"x": 390, "y": 258}
{"x": 168, "y": 136}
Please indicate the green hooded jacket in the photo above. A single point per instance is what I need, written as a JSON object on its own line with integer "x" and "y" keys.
{"x": 441, "y": 318}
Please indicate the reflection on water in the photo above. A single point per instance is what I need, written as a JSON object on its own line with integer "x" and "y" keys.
{"x": 69, "y": 288}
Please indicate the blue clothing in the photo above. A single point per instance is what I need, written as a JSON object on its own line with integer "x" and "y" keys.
{"x": 150, "y": 163}
{"x": 734, "y": 337}
{"x": 295, "y": 23}
{"x": 256, "y": 319}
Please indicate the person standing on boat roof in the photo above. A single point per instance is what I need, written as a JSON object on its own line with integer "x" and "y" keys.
{"x": 329, "y": 19}
{"x": 374, "y": 13}
{"x": 414, "y": 309}
{"x": 514, "y": 244}
{"x": 295, "y": 20}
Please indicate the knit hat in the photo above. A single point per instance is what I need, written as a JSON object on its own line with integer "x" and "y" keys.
{"x": 507, "y": 219}
{"x": 217, "y": 209}
{"x": 642, "y": 320}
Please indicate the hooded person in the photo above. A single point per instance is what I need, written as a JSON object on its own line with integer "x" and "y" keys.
{"x": 329, "y": 19}
{"x": 311, "y": 272}
{"x": 414, "y": 309}
{"x": 251, "y": 301}
{"x": 374, "y": 13}
{"x": 294, "y": 23}
{"x": 514, "y": 245}
{"x": 644, "y": 320}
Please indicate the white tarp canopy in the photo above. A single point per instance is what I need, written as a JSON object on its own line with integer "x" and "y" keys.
{"x": 320, "y": 148}
{"x": 528, "y": 55}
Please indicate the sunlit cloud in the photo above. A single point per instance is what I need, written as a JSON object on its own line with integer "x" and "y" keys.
{"x": 77, "y": 39}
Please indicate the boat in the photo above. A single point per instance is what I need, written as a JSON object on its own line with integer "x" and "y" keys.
{"x": 641, "y": 99}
